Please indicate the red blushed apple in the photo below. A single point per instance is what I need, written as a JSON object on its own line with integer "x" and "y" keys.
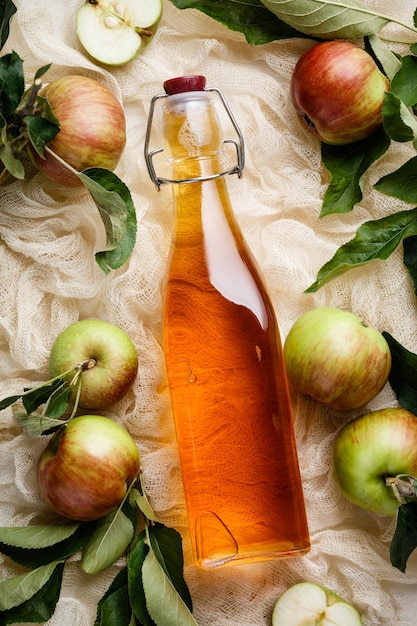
{"x": 92, "y": 128}
{"x": 338, "y": 90}
{"x": 85, "y": 470}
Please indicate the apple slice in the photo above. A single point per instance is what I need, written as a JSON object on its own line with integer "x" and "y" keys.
{"x": 113, "y": 31}
{"x": 308, "y": 604}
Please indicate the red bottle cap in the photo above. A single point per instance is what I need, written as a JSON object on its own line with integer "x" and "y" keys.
{"x": 182, "y": 84}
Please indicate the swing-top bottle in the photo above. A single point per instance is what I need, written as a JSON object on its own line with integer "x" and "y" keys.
{"x": 224, "y": 361}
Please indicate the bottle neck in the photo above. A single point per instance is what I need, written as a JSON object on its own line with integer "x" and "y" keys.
{"x": 192, "y": 135}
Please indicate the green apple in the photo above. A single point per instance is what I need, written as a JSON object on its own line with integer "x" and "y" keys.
{"x": 309, "y": 604}
{"x": 86, "y": 468}
{"x": 103, "y": 357}
{"x": 113, "y": 31}
{"x": 371, "y": 455}
{"x": 334, "y": 357}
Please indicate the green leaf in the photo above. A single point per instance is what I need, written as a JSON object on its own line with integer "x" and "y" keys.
{"x": 117, "y": 211}
{"x": 36, "y": 424}
{"x": 388, "y": 61}
{"x": 40, "y": 606}
{"x": 114, "y": 607}
{"x": 135, "y": 562}
{"x": 410, "y": 258}
{"x": 251, "y": 18}
{"x": 403, "y": 374}
{"x": 34, "y": 398}
{"x": 18, "y": 589}
{"x": 109, "y": 542}
{"x": 404, "y": 83}
{"x": 7, "y": 10}
{"x": 399, "y": 124}
{"x": 34, "y": 557}
{"x": 10, "y": 162}
{"x": 12, "y": 83}
{"x": 402, "y": 183}
{"x": 404, "y": 540}
{"x": 36, "y": 536}
{"x": 347, "y": 165}
{"x": 340, "y": 19}
{"x": 41, "y": 131}
{"x": 162, "y": 600}
{"x": 376, "y": 239}
{"x": 167, "y": 546}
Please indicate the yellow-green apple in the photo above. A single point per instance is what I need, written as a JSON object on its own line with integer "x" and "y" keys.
{"x": 370, "y": 452}
{"x": 92, "y": 128}
{"x": 87, "y": 467}
{"x": 103, "y": 356}
{"x": 334, "y": 357}
{"x": 114, "y": 31}
{"x": 337, "y": 90}
{"x": 310, "y": 604}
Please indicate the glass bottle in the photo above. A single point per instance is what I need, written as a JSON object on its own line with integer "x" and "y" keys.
{"x": 223, "y": 355}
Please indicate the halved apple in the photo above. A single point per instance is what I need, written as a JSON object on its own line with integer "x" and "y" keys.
{"x": 114, "y": 31}
{"x": 309, "y": 604}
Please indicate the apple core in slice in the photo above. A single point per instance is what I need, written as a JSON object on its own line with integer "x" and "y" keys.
{"x": 309, "y": 604}
{"x": 114, "y": 31}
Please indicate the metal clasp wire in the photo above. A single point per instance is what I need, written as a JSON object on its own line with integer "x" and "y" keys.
{"x": 238, "y": 143}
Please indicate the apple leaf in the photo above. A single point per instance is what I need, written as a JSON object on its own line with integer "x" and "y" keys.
{"x": 40, "y": 606}
{"x": 347, "y": 165}
{"x": 388, "y": 62}
{"x": 109, "y": 542}
{"x": 135, "y": 562}
{"x": 252, "y": 18}
{"x": 345, "y": 19}
{"x": 18, "y": 589}
{"x": 375, "y": 239}
{"x": 402, "y": 183}
{"x": 36, "y": 424}
{"x": 164, "y": 604}
{"x": 7, "y": 10}
{"x": 399, "y": 123}
{"x": 403, "y": 374}
{"x": 404, "y": 540}
{"x": 404, "y": 83}
{"x": 167, "y": 546}
{"x": 12, "y": 83}
{"x": 59, "y": 549}
{"x": 114, "y": 607}
{"x": 36, "y": 536}
{"x": 410, "y": 258}
{"x": 117, "y": 211}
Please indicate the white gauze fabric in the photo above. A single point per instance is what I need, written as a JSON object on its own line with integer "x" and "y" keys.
{"x": 50, "y": 279}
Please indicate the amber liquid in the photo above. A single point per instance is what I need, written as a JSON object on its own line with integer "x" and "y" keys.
{"x": 227, "y": 382}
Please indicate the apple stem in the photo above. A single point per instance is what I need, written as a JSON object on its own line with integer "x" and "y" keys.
{"x": 403, "y": 486}
{"x": 29, "y": 105}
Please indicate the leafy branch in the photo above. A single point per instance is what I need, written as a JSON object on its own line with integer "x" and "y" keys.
{"x": 27, "y": 124}
{"x": 149, "y": 589}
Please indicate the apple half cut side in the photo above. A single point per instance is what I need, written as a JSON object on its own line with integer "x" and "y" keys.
{"x": 309, "y": 604}
{"x": 114, "y": 31}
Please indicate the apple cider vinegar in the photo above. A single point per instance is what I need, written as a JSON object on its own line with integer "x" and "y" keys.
{"x": 224, "y": 362}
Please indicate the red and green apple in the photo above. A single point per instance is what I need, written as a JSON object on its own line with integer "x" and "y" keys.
{"x": 87, "y": 467}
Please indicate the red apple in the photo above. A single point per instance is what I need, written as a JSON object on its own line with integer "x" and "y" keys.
{"x": 370, "y": 452}
{"x": 334, "y": 357}
{"x": 338, "y": 90}
{"x": 85, "y": 470}
{"x": 92, "y": 128}
{"x": 109, "y": 358}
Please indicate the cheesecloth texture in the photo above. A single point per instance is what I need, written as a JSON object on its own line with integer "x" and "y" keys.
{"x": 49, "y": 279}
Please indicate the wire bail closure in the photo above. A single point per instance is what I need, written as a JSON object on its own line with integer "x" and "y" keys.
{"x": 238, "y": 143}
